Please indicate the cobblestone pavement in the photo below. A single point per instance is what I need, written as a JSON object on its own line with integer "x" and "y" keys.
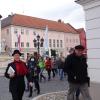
{"x": 54, "y": 85}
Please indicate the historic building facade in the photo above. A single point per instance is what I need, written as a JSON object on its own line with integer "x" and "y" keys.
{"x": 19, "y": 31}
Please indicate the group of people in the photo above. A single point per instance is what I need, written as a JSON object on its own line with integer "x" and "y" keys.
{"x": 74, "y": 66}
{"x": 33, "y": 70}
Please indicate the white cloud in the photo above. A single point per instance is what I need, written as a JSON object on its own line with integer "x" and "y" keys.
{"x": 67, "y": 10}
{"x": 77, "y": 18}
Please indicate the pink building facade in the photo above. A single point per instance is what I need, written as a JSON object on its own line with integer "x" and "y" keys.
{"x": 61, "y": 36}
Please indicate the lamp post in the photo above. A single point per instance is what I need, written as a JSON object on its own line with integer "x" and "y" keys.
{"x": 38, "y": 42}
{"x": 0, "y": 32}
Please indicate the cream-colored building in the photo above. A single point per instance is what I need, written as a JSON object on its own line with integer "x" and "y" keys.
{"x": 61, "y": 36}
{"x": 92, "y": 15}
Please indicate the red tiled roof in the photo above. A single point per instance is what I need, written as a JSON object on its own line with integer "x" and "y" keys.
{"x": 82, "y": 35}
{"x": 33, "y": 22}
{"x": 80, "y": 30}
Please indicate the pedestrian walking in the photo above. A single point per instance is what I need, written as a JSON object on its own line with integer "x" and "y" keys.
{"x": 48, "y": 67}
{"x": 27, "y": 61}
{"x": 34, "y": 73}
{"x": 61, "y": 62}
{"x": 16, "y": 71}
{"x": 41, "y": 64}
{"x": 76, "y": 68}
{"x": 54, "y": 66}
{"x": 71, "y": 51}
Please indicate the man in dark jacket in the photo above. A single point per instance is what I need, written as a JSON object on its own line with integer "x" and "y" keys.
{"x": 76, "y": 68}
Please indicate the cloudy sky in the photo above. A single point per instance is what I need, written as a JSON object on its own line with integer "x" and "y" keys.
{"x": 66, "y": 10}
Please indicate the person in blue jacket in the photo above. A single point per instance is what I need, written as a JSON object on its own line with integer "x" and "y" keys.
{"x": 34, "y": 73}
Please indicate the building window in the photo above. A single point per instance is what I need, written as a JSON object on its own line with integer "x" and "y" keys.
{"x": 61, "y": 43}
{"x": 70, "y": 40}
{"x": 22, "y": 44}
{"x": 34, "y": 33}
{"x": 27, "y": 44}
{"x": 53, "y": 43}
{"x": 7, "y": 31}
{"x": 67, "y": 40}
{"x": 22, "y": 31}
{"x": 16, "y": 44}
{"x": 15, "y": 31}
{"x": 57, "y": 43}
{"x": 67, "y": 49}
{"x": 73, "y": 40}
{"x": 27, "y": 32}
{"x": 76, "y": 40}
{"x": 50, "y": 43}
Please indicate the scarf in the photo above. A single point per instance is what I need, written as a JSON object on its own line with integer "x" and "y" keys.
{"x": 21, "y": 68}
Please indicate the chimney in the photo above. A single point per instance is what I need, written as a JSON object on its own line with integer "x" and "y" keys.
{"x": 0, "y": 16}
{"x": 9, "y": 15}
{"x": 59, "y": 20}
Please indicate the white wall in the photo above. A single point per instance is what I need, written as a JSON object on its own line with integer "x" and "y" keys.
{"x": 92, "y": 11}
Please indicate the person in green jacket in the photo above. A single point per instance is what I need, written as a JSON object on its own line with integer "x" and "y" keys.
{"x": 41, "y": 64}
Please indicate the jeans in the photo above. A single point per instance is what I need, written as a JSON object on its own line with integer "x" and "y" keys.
{"x": 77, "y": 92}
{"x": 61, "y": 73}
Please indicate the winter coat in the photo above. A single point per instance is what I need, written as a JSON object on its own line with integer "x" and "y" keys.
{"x": 41, "y": 63}
{"x": 76, "y": 68}
{"x": 48, "y": 65}
{"x": 33, "y": 67}
{"x": 61, "y": 62}
{"x": 17, "y": 82}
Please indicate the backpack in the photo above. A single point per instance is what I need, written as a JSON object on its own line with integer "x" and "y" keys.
{"x": 31, "y": 63}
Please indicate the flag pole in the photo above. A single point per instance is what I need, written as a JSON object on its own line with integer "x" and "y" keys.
{"x": 46, "y": 44}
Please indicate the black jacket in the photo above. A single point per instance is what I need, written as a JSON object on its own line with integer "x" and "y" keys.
{"x": 76, "y": 68}
{"x": 17, "y": 82}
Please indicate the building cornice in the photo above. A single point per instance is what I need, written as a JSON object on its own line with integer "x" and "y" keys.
{"x": 88, "y": 4}
{"x": 85, "y": 2}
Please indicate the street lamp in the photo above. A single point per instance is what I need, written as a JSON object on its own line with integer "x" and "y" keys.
{"x": 0, "y": 32}
{"x": 0, "y": 16}
{"x": 38, "y": 42}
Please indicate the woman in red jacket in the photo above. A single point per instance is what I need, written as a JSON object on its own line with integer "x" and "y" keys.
{"x": 48, "y": 67}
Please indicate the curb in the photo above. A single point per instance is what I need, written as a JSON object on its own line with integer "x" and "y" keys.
{"x": 62, "y": 95}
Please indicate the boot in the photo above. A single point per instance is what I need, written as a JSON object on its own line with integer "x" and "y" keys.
{"x": 77, "y": 98}
{"x": 38, "y": 89}
{"x": 30, "y": 95}
{"x": 31, "y": 91}
{"x": 38, "y": 92}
